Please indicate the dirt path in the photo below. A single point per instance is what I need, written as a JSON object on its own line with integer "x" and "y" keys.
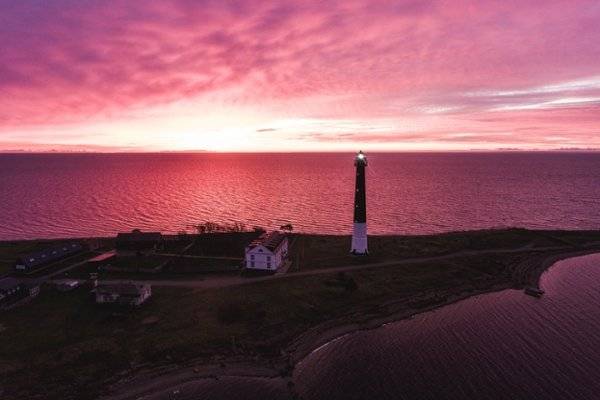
{"x": 217, "y": 282}
{"x": 200, "y": 257}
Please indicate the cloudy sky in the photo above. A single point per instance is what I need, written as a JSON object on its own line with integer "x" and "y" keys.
{"x": 299, "y": 75}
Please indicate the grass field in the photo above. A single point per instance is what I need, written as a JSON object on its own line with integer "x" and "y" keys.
{"x": 229, "y": 244}
{"x": 70, "y": 346}
{"x": 323, "y": 251}
{"x": 135, "y": 263}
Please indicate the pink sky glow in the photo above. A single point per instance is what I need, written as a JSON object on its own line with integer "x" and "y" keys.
{"x": 223, "y": 75}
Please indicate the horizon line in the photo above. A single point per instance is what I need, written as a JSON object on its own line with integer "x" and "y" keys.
{"x": 498, "y": 150}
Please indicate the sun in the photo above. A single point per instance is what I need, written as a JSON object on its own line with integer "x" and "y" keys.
{"x": 219, "y": 140}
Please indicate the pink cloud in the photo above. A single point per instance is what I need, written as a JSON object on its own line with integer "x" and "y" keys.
{"x": 70, "y": 61}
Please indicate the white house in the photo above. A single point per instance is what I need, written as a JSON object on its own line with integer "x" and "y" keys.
{"x": 268, "y": 252}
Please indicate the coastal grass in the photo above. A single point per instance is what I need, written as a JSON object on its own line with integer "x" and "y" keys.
{"x": 135, "y": 263}
{"x": 228, "y": 244}
{"x": 325, "y": 251}
{"x": 6, "y": 266}
{"x": 173, "y": 267}
{"x": 70, "y": 347}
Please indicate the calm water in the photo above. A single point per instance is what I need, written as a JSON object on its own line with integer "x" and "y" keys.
{"x": 57, "y": 195}
{"x": 503, "y": 345}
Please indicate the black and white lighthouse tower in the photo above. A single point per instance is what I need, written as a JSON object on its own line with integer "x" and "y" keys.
{"x": 359, "y": 233}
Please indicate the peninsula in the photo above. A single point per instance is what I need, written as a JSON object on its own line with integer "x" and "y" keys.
{"x": 200, "y": 324}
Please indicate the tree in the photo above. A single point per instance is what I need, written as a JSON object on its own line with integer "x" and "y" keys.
{"x": 287, "y": 227}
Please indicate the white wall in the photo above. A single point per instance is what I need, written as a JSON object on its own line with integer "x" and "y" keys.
{"x": 261, "y": 258}
{"x": 359, "y": 238}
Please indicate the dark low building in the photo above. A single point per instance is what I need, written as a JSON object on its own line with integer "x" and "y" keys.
{"x": 130, "y": 294}
{"x": 32, "y": 261}
{"x": 13, "y": 292}
{"x": 139, "y": 241}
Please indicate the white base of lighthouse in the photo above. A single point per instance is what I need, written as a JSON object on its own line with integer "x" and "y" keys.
{"x": 359, "y": 239}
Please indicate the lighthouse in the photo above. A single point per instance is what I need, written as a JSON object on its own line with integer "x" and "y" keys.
{"x": 359, "y": 233}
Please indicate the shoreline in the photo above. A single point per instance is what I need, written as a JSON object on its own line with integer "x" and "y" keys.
{"x": 301, "y": 350}
{"x": 281, "y": 368}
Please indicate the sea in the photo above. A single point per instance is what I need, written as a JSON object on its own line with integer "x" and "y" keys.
{"x": 84, "y": 195}
{"x": 495, "y": 346}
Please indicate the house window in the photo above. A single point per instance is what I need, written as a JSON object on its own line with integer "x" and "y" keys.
{"x": 269, "y": 265}
{"x": 252, "y": 264}
{"x": 269, "y": 258}
{"x": 252, "y": 256}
